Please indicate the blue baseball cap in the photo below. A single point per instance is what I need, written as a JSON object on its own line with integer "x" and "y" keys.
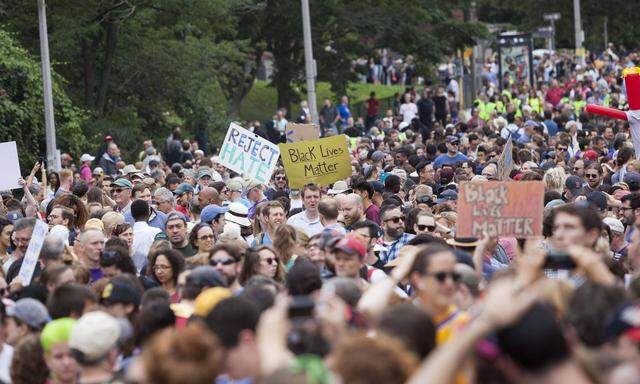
{"x": 211, "y": 212}
{"x": 182, "y": 188}
{"x": 447, "y": 195}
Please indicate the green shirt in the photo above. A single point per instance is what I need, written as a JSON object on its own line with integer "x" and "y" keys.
{"x": 187, "y": 251}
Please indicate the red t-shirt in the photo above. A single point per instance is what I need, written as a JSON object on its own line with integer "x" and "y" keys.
{"x": 372, "y": 107}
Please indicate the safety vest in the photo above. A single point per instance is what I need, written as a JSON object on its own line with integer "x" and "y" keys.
{"x": 500, "y": 107}
{"x": 535, "y": 104}
{"x": 488, "y": 109}
{"x": 578, "y": 106}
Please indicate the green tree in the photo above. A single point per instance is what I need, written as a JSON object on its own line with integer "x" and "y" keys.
{"x": 22, "y": 106}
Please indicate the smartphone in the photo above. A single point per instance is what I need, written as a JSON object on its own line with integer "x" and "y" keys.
{"x": 559, "y": 260}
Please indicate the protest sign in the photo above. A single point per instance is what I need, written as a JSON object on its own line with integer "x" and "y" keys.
{"x": 246, "y": 153}
{"x": 302, "y": 132}
{"x": 500, "y": 208}
{"x": 33, "y": 252}
{"x": 10, "y": 170}
{"x": 321, "y": 161}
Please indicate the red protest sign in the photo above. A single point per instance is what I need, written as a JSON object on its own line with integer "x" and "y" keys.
{"x": 500, "y": 208}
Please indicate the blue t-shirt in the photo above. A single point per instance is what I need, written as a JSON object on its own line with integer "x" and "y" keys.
{"x": 344, "y": 112}
{"x": 445, "y": 159}
{"x": 552, "y": 127}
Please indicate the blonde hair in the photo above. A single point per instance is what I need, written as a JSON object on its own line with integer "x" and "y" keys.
{"x": 554, "y": 179}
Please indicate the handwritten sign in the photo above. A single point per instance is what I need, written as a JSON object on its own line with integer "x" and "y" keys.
{"x": 33, "y": 252}
{"x": 302, "y": 132}
{"x": 10, "y": 170}
{"x": 500, "y": 208}
{"x": 248, "y": 154}
{"x": 321, "y": 161}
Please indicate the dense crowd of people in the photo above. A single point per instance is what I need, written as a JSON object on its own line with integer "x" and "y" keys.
{"x": 174, "y": 269}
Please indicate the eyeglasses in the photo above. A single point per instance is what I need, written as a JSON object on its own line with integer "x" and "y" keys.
{"x": 214, "y": 263}
{"x": 270, "y": 260}
{"x": 161, "y": 267}
{"x": 207, "y": 237}
{"x": 52, "y": 217}
{"x": 442, "y": 276}
{"x": 395, "y": 220}
{"x": 430, "y": 228}
{"x": 591, "y": 175}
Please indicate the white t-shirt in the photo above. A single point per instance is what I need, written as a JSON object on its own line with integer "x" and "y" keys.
{"x": 408, "y": 112}
{"x": 5, "y": 362}
{"x": 310, "y": 227}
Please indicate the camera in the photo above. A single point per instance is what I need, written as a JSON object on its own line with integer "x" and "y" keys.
{"x": 559, "y": 260}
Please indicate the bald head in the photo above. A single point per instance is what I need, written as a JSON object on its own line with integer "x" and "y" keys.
{"x": 352, "y": 209}
{"x": 207, "y": 196}
{"x": 328, "y": 208}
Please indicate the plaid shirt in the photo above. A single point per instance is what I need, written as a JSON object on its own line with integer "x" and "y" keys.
{"x": 394, "y": 247}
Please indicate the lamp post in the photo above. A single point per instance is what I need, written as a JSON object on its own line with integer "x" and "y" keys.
{"x": 309, "y": 63}
{"x": 50, "y": 126}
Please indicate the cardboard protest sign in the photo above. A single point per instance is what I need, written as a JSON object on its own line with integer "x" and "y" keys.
{"x": 500, "y": 208}
{"x": 10, "y": 170}
{"x": 302, "y": 132}
{"x": 33, "y": 252}
{"x": 246, "y": 153}
{"x": 321, "y": 161}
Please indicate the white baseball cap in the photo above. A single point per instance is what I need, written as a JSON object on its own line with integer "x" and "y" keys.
{"x": 94, "y": 335}
{"x": 614, "y": 224}
{"x": 86, "y": 157}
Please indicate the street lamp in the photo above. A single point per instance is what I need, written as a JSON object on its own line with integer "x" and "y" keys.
{"x": 50, "y": 126}
{"x": 552, "y": 18}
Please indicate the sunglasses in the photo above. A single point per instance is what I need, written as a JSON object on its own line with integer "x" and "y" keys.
{"x": 117, "y": 190}
{"x": 591, "y": 176}
{"x": 280, "y": 178}
{"x": 430, "y": 228}
{"x": 214, "y": 263}
{"x": 395, "y": 220}
{"x": 561, "y": 149}
{"x": 270, "y": 260}
{"x": 442, "y": 276}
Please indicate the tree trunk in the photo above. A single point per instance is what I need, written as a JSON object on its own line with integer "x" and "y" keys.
{"x": 110, "y": 51}
{"x": 89, "y": 64}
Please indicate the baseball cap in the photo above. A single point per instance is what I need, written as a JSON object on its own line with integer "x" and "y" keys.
{"x": 352, "y": 246}
{"x": 590, "y": 155}
{"x": 208, "y": 299}
{"x": 614, "y": 224}
{"x": 574, "y": 184}
{"x": 30, "y": 311}
{"x": 377, "y": 186}
{"x": 86, "y": 157}
{"x": 531, "y": 123}
{"x": 633, "y": 180}
{"x": 120, "y": 292}
{"x": 234, "y": 185}
{"x": 94, "y": 335}
{"x": 204, "y": 171}
{"x": 447, "y": 195}
{"x": 182, "y": 188}
{"x": 124, "y": 183}
{"x": 250, "y": 184}
{"x": 129, "y": 169}
{"x": 14, "y": 216}
{"x": 97, "y": 171}
{"x": 452, "y": 139}
{"x": 211, "y": 212}
{"x": 377, "y": 156}
{"x": 598, "y": 200}
{"x": 57, "y": 331}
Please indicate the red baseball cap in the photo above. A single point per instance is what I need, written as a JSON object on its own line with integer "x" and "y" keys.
{"x": 108, "y": 138}
{"x": 590, "y": 155}
{"x": 351, "y": 245}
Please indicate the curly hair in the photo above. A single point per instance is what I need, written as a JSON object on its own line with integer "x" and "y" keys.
{"x": 28, "y": 365}
{"x": 191, "y": 355}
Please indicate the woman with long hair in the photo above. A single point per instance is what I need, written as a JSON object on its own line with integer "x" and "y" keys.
{"x": 53, "y": 185}
{"x": 6, "y": 229}
{"x": 285, "y": 244}
{"x": 264, "y": 261}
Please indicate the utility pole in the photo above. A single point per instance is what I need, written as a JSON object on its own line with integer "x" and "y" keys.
{"x": 50, "y": 126}
{"x": 309, "y": 63}
{"x": 552, "y": 18}
{"x": 577, "y": 24}
{"x": 606, "y": 33}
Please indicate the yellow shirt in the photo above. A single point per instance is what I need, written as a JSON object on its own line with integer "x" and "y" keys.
{"x": 449, "y": 323}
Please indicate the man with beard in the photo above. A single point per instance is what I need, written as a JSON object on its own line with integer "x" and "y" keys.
{"x": 352, "y": 210}
{"x": 226, "y": 259}
{"x": 630, "y": 204}
{"x": 177, "y": 231}
{"x": 593, "y": 177}
{"x": 392, "y": 220}
{"x": 280, "y": 184}
{"x": 273, "y": 215}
